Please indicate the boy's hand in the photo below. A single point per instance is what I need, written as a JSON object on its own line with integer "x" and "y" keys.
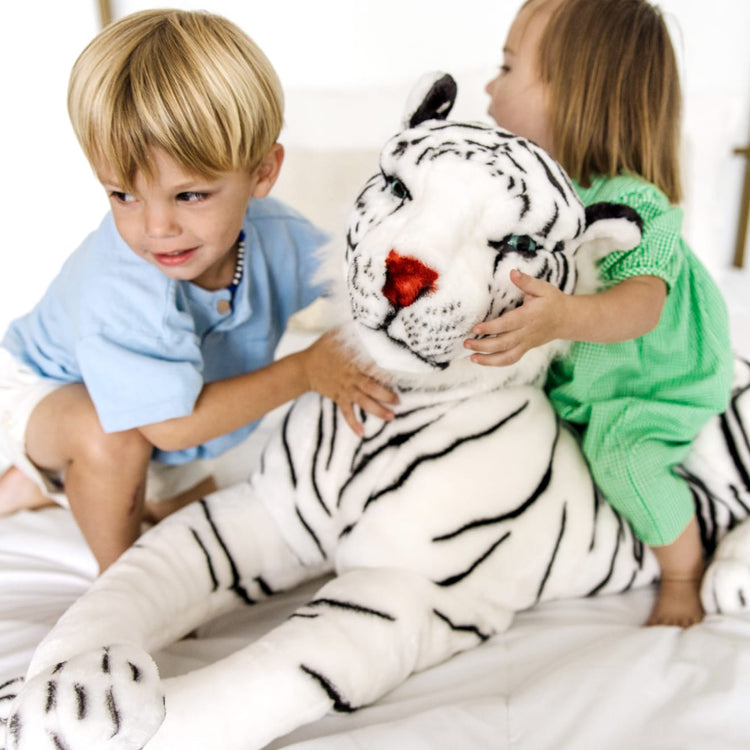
{"x": 537, "y": 321}
{"x": 331, "y": 371}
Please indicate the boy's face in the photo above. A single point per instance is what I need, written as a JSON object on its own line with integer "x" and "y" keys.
{"x": 184, "y": 224}
{"x": 517, "y": 93}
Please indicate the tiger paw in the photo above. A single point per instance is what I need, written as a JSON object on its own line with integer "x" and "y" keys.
{"x": 8, "y": 692}
{"x": 726, "y": 587}
{"x": 106, "y": 699}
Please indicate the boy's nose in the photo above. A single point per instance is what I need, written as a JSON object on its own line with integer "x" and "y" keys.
{"x": 159, "y": 221}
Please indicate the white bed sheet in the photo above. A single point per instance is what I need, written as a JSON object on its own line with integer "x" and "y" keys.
{"x": 568, "y": 675}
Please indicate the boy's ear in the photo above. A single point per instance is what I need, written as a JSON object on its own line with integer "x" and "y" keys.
{"x": 268, "y": 170}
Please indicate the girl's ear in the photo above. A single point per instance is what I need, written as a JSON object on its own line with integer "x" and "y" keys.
{"x": 268, "y": 170}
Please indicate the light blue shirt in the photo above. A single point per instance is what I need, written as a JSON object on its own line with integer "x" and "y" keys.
{"x": 145, "y": 344}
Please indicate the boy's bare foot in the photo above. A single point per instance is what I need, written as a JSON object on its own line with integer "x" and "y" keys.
{"x": 18, "y": 492}
{"x": 678, "y": 604}
{"x": 155, "y": 511}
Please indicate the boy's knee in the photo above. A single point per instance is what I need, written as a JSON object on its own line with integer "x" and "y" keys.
{"x": 118, "y": 451}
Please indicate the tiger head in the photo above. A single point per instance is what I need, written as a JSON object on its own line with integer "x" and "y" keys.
{"x": 434, "y": 235}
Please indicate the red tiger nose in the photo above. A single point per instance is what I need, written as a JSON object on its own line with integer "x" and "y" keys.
{"x": 406, "y": 279}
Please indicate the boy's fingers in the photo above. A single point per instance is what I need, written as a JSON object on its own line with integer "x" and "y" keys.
{"x": 351, "y": 419}
{"x": 378, "y": 391}
{"x": 376, "y": 408}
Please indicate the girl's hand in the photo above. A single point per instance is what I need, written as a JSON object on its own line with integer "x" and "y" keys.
{"x": 537, "y": 321}
{"x": 331, "y": 371}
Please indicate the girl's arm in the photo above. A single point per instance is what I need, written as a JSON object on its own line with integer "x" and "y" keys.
{"x": 625, "y": 311}
{"x": 227, "y": 405}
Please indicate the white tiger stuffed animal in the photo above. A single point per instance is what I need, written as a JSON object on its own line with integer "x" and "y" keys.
{"x": 432, "y": 554}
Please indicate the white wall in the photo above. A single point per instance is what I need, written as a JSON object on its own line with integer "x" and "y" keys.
{"x": 355, "y": 60}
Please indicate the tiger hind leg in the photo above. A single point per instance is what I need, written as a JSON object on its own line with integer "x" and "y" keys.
{"x": 362, "y": 635}
{"x": 726, "y": 583}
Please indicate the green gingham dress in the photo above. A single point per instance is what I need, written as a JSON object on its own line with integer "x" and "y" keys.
{"x": 642, "y": 402}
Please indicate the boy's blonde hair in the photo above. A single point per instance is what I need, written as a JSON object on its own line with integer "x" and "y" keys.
{"x": 614, "y": 90}
{"x": 189, "y": 83}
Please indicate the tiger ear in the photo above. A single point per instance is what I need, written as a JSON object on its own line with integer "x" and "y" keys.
{"x": 610, "y": 226}
{"x": 432, "y": 98}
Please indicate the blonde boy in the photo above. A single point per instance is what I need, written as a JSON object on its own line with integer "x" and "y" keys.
{"x": 156, "y": 340}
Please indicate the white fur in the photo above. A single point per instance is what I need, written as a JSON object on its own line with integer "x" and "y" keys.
{"x": 473, "y": 503}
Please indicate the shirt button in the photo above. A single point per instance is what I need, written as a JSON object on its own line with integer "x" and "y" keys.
{"x": 223, "y": 306}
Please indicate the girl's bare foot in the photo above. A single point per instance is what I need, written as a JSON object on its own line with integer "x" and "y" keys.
{"x": 18, "y": 492}
{"x": 682, "y": 566}
{"x": 678, "y": 604}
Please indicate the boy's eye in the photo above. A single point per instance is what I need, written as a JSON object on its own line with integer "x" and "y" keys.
{"x": 398, "y": 189}
{"x": 191, "y": 196}
{"x": 121, "y": 196}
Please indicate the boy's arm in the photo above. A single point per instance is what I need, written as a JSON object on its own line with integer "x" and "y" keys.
{"x": 227, "y": 405}
{"x": 625, "y": 311}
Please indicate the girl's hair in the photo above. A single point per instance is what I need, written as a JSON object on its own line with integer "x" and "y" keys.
{"x": 189, "y": 83}
{"x": 614, "y": 91}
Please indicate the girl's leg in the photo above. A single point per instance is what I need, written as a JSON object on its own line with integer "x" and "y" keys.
{"x": 105, "y": 473}
{"x": 682, "y": 566}
{"x": 631, "y": 447}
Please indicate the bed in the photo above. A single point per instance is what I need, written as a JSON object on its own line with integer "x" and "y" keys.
{"x": 568, "y": 675}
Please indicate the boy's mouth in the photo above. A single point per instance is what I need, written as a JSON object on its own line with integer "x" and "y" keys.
{"x": 176, "y": 258}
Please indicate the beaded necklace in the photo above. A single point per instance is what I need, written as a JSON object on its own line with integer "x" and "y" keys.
{"x": 224, "y": 306}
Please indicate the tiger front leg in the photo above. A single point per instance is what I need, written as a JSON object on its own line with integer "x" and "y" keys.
{"x": 726, "y": 583}
{"x": 223, "y": 552}
{"x": 362, "y": 635}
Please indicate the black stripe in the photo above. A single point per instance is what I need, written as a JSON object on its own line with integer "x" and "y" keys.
{"x": 613, "y": 560}
{"x": 57, "y": 742}
{"x": 51, "y": 701}
{"x": 395, "y": 441}
{"x": 209, "y": 564}
{"x": 316, "y": 453}
{"x": 105, "y": 661}
{"x": 516, "y": 512}
{"x": 134, "y": 672}
{"x": 440, "y": 454}
{"x": 309, "y": 530}
{"x": 113, "y": 711}
{"x": 285, "y": 443}
{"x": 334, "y": 432}
{"x": 80, "y": 692}
{"x": 560, "y": 535}
{"x": 552, "y": 177}
{"x": 733, "y": 450}
{"x": 351, "y": 607}
{"x": 547, "y": 228}
{"x": 339, "y": 704}
{"x": 451, "y": 580}
{"x": 8, "y": 683}
{"x": 14, "y": 727}
{"x": 238, "y": 589}
{"x": 461, "y": 628}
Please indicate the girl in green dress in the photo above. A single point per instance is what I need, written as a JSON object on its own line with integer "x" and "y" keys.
{"x": 595, "y": 83}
